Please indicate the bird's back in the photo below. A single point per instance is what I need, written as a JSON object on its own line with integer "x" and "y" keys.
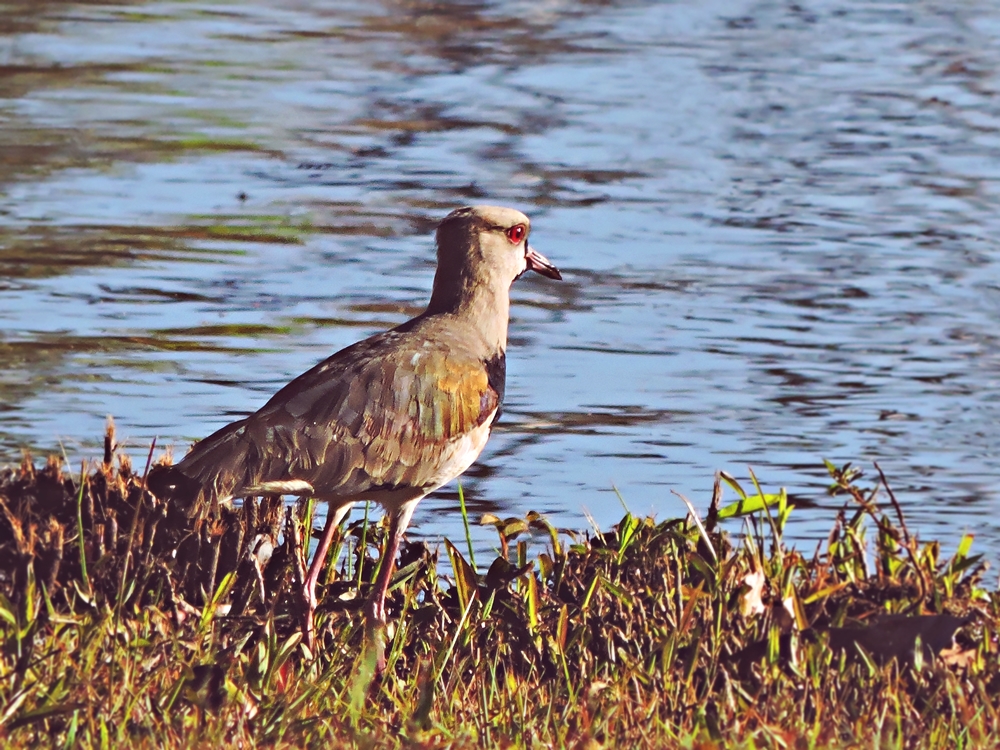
{"x": 407, "y": 409}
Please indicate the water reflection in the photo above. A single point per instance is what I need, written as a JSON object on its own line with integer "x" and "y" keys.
{"x": 777, "y": 224}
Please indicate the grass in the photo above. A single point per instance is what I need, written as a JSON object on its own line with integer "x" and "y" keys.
{"x": 125, "y": 623}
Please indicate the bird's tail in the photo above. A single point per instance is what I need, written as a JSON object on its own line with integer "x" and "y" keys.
{"x": 211, "y": 472}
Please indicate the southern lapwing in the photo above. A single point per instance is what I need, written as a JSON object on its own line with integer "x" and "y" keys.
{"x": 390, "y": 418}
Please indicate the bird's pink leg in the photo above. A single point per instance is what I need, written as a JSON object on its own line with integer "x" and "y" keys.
{"x": 334, "y": 516}
{"x": 375, "y": 608}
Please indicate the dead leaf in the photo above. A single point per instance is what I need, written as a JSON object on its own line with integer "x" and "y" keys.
{"x": 784, "y": 615}
{"x": 956, "y": 657}
{"x": 751, "y": 591}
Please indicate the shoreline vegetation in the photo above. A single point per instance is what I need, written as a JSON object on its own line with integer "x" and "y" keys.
{"x": 125, "y": 622}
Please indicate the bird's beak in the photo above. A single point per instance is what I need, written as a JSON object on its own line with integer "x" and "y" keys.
{"x": 540, "y": 264}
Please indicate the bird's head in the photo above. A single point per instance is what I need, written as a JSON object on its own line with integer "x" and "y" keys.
{"x": 485, "y": 247}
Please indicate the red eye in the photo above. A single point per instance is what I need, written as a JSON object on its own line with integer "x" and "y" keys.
{"x": 516, "y": 233}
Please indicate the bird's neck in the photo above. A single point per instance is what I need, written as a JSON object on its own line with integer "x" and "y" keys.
{"x": 483, "y": 308}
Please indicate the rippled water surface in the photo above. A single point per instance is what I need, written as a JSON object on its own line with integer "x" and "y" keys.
{"x": 777, "y": 222}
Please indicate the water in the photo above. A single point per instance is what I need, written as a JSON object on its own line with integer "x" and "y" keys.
{"x": 777, "y": 224}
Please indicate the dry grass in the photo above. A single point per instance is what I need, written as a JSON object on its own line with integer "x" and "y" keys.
{"x": 126, "y": 623}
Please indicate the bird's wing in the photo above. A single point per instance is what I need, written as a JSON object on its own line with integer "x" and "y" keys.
{"x": 378, "y": 415}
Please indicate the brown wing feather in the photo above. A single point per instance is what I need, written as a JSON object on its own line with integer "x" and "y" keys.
{"x": 373, "y": 416}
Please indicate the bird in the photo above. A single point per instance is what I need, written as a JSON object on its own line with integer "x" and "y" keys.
{"x": 390, "y": 418}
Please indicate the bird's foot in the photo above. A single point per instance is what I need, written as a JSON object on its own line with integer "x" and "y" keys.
{"x": 308, "y": 615}
{"x": 375, "y": 641}
{"x": 376, "y": 637}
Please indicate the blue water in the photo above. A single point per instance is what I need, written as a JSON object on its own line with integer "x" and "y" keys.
{"x": 777, "y": 225}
